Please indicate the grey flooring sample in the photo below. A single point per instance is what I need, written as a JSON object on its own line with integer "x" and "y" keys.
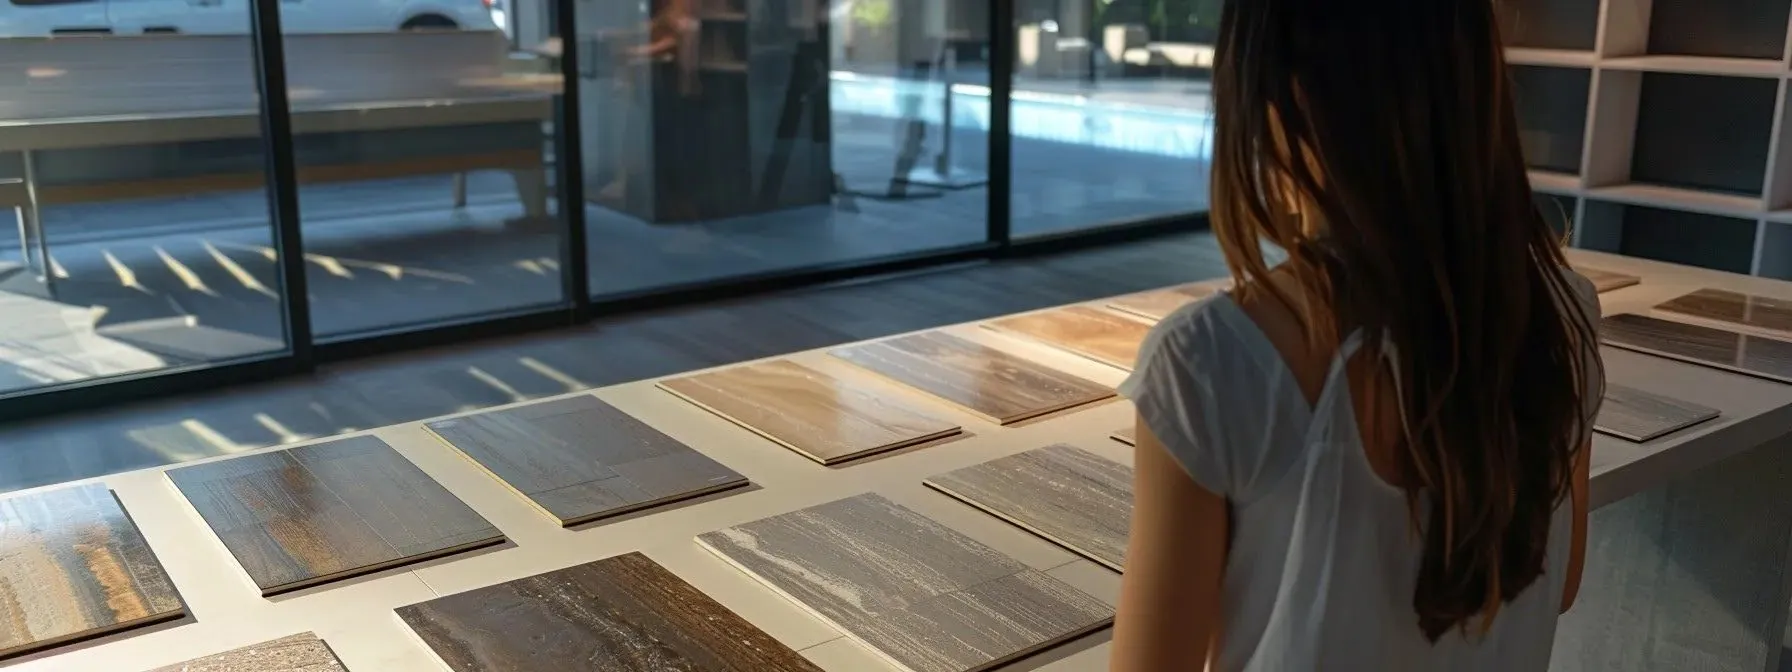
{"x": 1630, "y": 413}
{"x": 1070, "y": 496}
{"x": 1753, "y": 355}
{"x": 925, "y": 597}
{"x": 579, "y": 459}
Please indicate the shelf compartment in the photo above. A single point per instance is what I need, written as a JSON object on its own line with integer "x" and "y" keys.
{"x": 1752, "y": 29}
{"x": 1567, "y": 58}
{"x": 1552, "y": 115}
{"x": 1550, "y": 182}
{"x": 1776, "y": 249}
{"x": 1549, "y": 24}
{"x": 1558, "y": 211}
{"x": 1698, "y": 65}
{"x": 1703, "y": 133}
{"x": 1691, "y": 200}
{"x": 1675, "y": 236}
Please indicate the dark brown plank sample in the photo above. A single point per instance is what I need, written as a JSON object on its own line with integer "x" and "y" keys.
{"x": 1097, "y": 334}
{"x": 295, "y": 653}
{"x": 999, "y": 386}
{"x": 1630, "y": 413}
{"x": 299, "y": 517}
{"x": 73, "y": 566}
{"x": 1605, "y": 281}
{"x": 579, "y": 459}
{"x": 826, "y": 418}
{"x": 1070, "y": 496}
{"x": 925, "y": 597}
{"x": 1127, "y": 435}
{"x": 1731, "y": 310}
{"x": 1157, "y": 304}
{"x": 1716, "y": 348}
{"x": 620, "y": 614}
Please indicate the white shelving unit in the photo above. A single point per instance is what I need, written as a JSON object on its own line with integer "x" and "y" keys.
{"x": 1658, "y": 128}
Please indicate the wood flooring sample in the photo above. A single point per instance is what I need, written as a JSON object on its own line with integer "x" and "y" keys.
{"x": 1730, "y": 310}
{"x": 299, "y": 517}
{"x": 1752, "y": 355}
{"x": 1096, "y": 334}
{"x": 1070, "y": 496}
{"x": 827, "y": 418}
{"x": 1605, "y": 281}
{"x": 998, "y": 386}
{"x": 926, "y": 598}
{"x": 620, "y": 614}
{"x": 296, "y": 653}
{"x": 1127, "y": 435}
{"x": 73, "y": 566}
{"x": 1157, "y": 304}
{"x": 579, "y": 459}
{"x": 1630, "y": 413}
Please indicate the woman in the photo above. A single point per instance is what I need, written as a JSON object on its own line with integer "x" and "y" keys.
{"x": 1372, "y": 456}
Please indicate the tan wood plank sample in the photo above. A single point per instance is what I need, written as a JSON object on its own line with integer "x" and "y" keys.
{"x": 295, "y": 653}
{"x": 998, "y": 386}
{"x": 1730, "y": 310}
{"x": 1752, "y": 355}
{"x": 1069, "y": 496}
{"x": 1157, "y": 304}
{"x": 1605, "y": 281}
{"x": 923, "y": 596}
{"x": 1633, "y": 414}
{"x": 1127, "y": 435}
{"x": 73, "y": 566}
{"x": 1097, "y": 334}
{"x": 620, "y": 614}
{"x": 827, "y": 418}
{"x": 318, "y": 513}
{"x": 579, "y": 459}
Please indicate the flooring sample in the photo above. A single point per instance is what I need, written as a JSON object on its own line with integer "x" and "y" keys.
{"x": 926, "y": 598}
{"x": 1605, "y": 281}
{"x": 1099, "y": 335}
{"x": 296, "y": 653}
{"x": 999, "y": 386}
{"x": 620, "y": 614}
{"x": 1752, "y": 355}
{"x": 299, "y": 517}
{"x": 1730, "y": 310}
{"x": 826, "y": 418}
{"x": 579, "y": 459}
{"x": 1127, "y": 435}
{"x": 73, "y": 566}
{"x": 1157, "y": 304}
{"x": 1070, "y": 496}
{"x": 1630, "y": 413}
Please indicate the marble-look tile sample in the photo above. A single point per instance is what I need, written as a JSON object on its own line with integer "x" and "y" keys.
{"x": 1127, "y": 435}
{"x": 73, "y": 566}
{"x": 327, "y": 511}
{"x": 1157, "y": 304}
{"x": 827, "y": 418}
{"x": 1069, "y": 496}
{"x": 296, "y": 653}
{"x": 1633, "y": 414}
{"x": 579, "y": 459}
{"x": 620, "y": 614}
{"x": 1752, "y": 355}
{"x": 1730, "y": 310}
{"x": 923, "y": 596}
{"x": 1605, "y": 281}
{"x": 1100, "y": 335}
{"x": 998, "y": 386}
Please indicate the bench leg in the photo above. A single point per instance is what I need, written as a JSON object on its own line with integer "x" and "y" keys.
{"x": 532, "y": 190}
{"x": 460, "y": 190}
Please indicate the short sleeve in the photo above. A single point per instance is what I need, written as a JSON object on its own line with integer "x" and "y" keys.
{"x": 1171, "y": 387}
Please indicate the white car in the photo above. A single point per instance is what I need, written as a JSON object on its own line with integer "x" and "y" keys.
{"x": 39, "y": 18}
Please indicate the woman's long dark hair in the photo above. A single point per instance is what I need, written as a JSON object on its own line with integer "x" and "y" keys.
{"x": 1376, "y": 143}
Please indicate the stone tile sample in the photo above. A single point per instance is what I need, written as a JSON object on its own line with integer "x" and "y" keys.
{"x": 1605, "y": 281}
{"x": 1097, "y": 334}
{"x": 1069, "y": 496}
{"x": 73, "y": 566}
{"x": 1752, "y": 355}
{"x": 327, "y": 511}
{"x": 1633, "y": 414}
{"x": 994, "y": 384}
{"x": 579, "y": 459}
{"x": 1157, "y": 304}
{"x": 620, "y": 614}
{"x": 1737, "y": 312}
{"x": 296, "y": 653}
{"x": 827, "y": 418}
{"x": 924, "y": 597}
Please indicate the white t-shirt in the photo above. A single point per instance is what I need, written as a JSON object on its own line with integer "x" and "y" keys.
{"x": 1323, "y": 561}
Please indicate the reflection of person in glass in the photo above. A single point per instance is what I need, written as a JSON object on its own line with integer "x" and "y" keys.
{"x": 671, "y": 38}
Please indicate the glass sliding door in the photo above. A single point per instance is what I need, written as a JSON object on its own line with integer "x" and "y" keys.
{"x": 1111, "y": 111}
{"x": 132, "y": 172}
{"x": 423, "y": 141}
{"x": 736, "y": 138}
